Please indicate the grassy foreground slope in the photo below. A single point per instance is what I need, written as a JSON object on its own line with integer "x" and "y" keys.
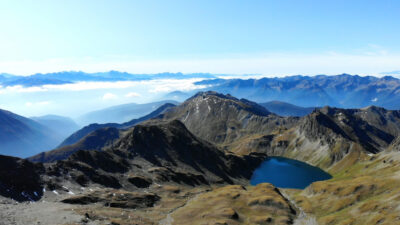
{"x": 366, "y": 191}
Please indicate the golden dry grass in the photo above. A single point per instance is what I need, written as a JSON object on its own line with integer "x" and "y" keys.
{"x": 234, "y": 204}
{"x": 363, "y": 191}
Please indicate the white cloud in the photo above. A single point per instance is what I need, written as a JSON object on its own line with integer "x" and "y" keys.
{"x": 153, "y": 86}
{"x": 109, "y": 96}
{"x": 132, "y": 95}
{"x": 374, "y": 100}
{"x": 174, "y": 85}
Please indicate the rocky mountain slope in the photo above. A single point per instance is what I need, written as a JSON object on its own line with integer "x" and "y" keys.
{"x": 329, "y": 135}
{"x": 223, "y": 119}
{"x": 19, "y": 179}
{"x": 161, "y": 152}
{"x": 323, "y": 138}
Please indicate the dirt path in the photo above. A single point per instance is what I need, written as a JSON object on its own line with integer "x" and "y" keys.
{"x": 169, "y": 220}
{"x": 303, "y": 218}
{"x": 32, "y": 213}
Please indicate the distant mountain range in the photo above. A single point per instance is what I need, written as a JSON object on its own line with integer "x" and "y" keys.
{"x": 23, "y": 137}
{"x": 287, "y": 109}
{"x": 345, "y": 91}
{"x": 76, "y": 76}
{"x": 61, "y": 125}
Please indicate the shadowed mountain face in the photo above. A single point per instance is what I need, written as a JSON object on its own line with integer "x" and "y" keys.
{"x": 372, "y": 127}
{"x": 93, "y": 137}
{"x": 172, "y": 145}
{"x": 22, "y": 137}
{"x": 344, "y": 90}
{"x": 286, "y": 109}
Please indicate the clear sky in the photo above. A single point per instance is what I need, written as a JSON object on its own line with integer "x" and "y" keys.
{"x": 266, "y": 37}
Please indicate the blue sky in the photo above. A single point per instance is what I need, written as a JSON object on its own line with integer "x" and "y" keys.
{"x": 266, "y": 37}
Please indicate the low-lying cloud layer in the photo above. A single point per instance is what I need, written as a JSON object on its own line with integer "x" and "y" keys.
{"x": 153, "y": 86}
{"x": 78, "y": 98}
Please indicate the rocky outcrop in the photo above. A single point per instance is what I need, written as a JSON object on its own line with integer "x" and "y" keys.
{"x": 116, "y": 199}
{"x": 20, "y": 179}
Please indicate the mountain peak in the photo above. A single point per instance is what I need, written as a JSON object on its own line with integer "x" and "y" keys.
{"x": 212, "y": 97}
{"x": 221, "y": 119}
{"x": 213, "y": 93}
{"x": 373, "y": 108}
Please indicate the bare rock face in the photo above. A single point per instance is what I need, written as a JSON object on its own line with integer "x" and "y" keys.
{"x": 140, "y": 182}
{"x": 162, "y": 174}
{"x": 116, "y": 199}
{"x": 395, "y": 145}
{"x": 20, "y": 179}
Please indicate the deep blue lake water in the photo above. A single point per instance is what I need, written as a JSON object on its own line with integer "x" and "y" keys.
{"x": 287, "y": 173}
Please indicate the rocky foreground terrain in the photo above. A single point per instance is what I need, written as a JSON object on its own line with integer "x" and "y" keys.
{"x": 192, "y": 165}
